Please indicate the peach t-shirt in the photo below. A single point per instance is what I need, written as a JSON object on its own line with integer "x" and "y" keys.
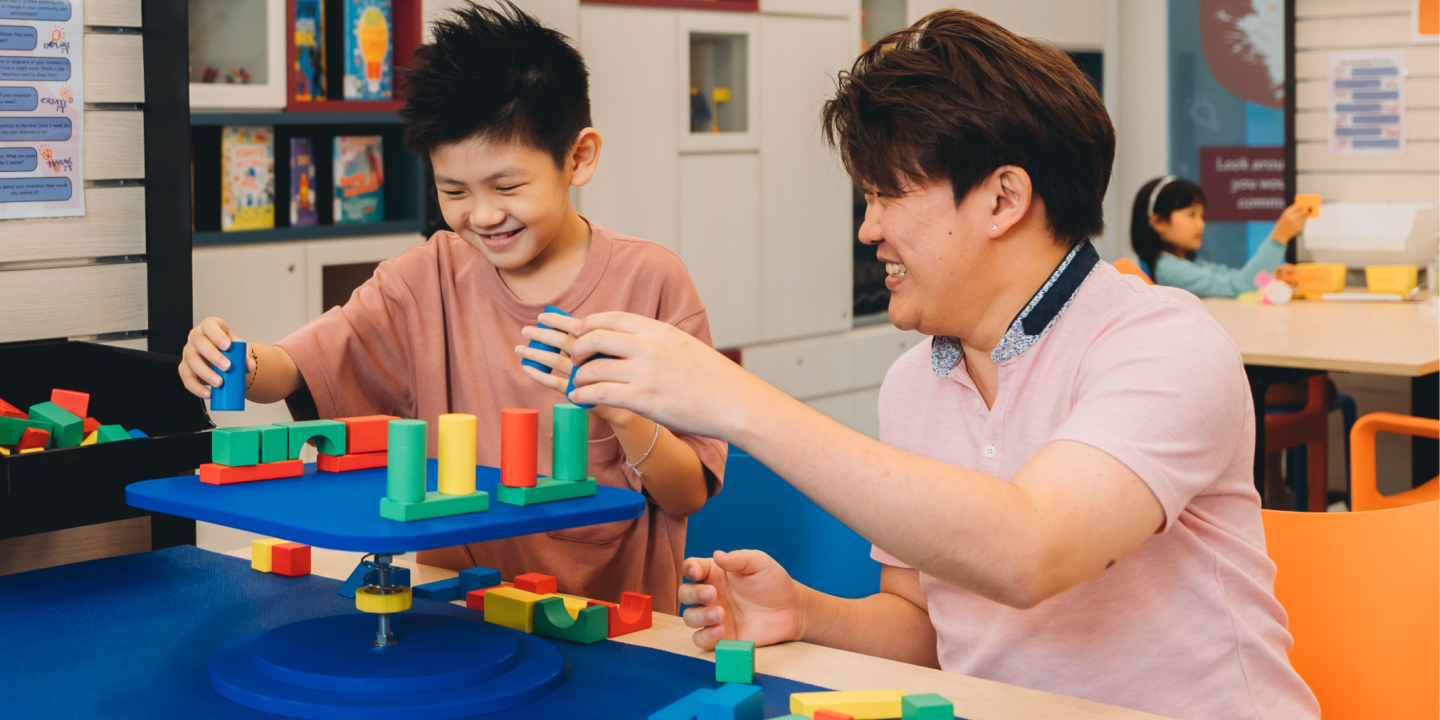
{"x": 434, "y": 331}
{"x": 1185, "y": 627}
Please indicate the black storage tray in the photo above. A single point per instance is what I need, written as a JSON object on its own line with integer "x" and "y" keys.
{"x": 71, "y": 487}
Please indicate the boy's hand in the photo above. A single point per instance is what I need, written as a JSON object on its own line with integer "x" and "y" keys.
{"x": 203, "y": 350}
{"x": 1291, "y": 222}
{"x": 741, "y": 595}
{"x": 557, "y": 334}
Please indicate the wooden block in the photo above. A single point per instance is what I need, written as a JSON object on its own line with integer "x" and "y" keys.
{"x": 447, "y": 590}
{"x": 90, "y": 439}
{"x": 31, "y": 450}
{"x": 328, "y": 436}
{"x": 66, "y": 429}
{"x": 235, "y": 447}
{"x": 860, "y": 704}
{"x": 435, "y": 504}
{"x": 11, "y": 428}
{"x": 511, "y": 607}
{"x": 929, "y": 706}
{"x": 91, "y": 425}
{"x": 518, "y": 430}
{"x": 475, "y": 599}
{"x": 733, "y": 701}
{"x": 683, "y": 709}
{"x": 274, "y": 443}
{"x": 545, "y": 490}
{"x": 111, "y": 433}
{"x": 537, "y": 583}
{"x": 574, "y": 604}
{"x": 33, "y": 439}
{"x": 478, "y": 577}
{"x": 76, "y": 403}
{"x": 4, "y": 450}
{"x": 635, "y": 611}
{"x": 824, "y": 714}
{"x": 735, "y": 661}
{"x": 367, "y": 434}
{"x": 137, "y": 434}
{"x": 8, "y": 410}
{"x": 262, "y": 553}
{"x": 346, "y": 463}
{"x": 212, "y": 474}
{"x": 552, "y": 619}
{"x": 290, "y": 559}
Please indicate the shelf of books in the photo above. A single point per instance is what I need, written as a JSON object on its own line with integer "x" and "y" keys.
{"x": 342, "y": 54}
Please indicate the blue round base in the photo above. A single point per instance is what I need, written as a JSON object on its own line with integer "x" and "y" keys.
{"x": 442, "y": 667}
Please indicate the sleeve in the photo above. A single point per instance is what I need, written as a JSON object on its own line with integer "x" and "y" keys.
{"x": 1208, "y": 279}
{"x": 356, "y": 359}
{"x": 1165, "y": 394}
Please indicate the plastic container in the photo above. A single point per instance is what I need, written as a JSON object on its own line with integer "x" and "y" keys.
{"x": 1399, "y": 279}
{"x": 1318, "y": 278}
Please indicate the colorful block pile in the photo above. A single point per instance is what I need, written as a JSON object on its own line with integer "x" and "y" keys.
{"x": 367, "y": 441}
{"x": 272, "y": 555}
{"x": 59, "y": 423}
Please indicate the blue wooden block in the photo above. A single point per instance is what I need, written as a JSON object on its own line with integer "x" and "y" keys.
{"x": 231, "y": 394}
{"x": 440, "y": 590}
{"x": 398, "y": 576}
{"x": 137, "y": 433}
{"x": 683, "y": 709}
{"x": 537, "y": 345}
{"x": 576, "y": 368}
{"x": 477, "y": 578}
{"x": 733, "y": 701}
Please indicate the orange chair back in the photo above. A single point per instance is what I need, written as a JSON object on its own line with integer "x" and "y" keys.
{"x": 1362, "y": 592}
{"x": 1363, "y": 492}
{"x": 1126, "y": 266}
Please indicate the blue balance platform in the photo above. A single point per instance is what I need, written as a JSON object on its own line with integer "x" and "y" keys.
{"x": 341, "y": 511}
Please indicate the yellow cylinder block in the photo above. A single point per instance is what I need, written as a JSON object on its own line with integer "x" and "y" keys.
{"x": 457, "y": 454}
{"x": 368, "y": 599}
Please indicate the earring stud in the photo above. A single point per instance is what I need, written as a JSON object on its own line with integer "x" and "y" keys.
{"x": 993, "y": 228}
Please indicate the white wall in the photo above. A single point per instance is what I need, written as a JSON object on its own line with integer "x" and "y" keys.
{"x": 1142, "y": 123}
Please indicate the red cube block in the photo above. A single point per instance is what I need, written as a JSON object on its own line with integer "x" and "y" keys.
{"x": 367, "y": 434}
{"x": 290, "y": 559}
{"x": 77, "y": 403}
{"x": 475, "y": 599}
{"x": 33, "y": 438}
{"x": 536, "y": 583}
{"x": 91, "y": 425}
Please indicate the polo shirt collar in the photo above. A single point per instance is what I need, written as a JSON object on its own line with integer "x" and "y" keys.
{"x": 1034, "y": 320}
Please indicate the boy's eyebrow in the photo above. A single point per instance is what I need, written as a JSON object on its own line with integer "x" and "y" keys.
{"x": 502, "y": 172}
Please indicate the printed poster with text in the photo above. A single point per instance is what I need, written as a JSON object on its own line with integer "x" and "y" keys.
{"x": 42, "y": 103}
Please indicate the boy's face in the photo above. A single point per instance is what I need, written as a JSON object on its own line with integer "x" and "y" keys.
{"x": 507, "y": 199}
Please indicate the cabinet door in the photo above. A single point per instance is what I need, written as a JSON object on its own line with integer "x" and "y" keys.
{"x": 720, "y": 240}
{"x": 805, "y": 214}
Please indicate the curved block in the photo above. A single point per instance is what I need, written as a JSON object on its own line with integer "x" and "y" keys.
{"x": 553, "y": 620}
{"x": 329, "y": 436}
{"x": 634, "y": 612}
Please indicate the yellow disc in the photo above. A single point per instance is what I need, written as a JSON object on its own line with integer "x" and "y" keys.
{"x": 368, "y": 599}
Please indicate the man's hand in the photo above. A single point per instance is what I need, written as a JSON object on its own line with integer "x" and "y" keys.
{"x": 741, "y": 595}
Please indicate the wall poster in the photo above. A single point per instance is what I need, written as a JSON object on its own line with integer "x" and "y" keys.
{"x": 1366, "y": 102}
{"x": 42, "y": 108}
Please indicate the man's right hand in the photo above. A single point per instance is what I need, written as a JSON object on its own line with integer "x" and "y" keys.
{"x": 204, "y": 349}
{"x": 741, "y": 595}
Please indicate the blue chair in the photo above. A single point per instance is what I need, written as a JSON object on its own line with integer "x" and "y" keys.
{"x": 758, "y": 510}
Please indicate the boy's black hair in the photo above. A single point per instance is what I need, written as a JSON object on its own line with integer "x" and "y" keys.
{"x": 1176, "y": 195}
{"x": 499, "y": 74}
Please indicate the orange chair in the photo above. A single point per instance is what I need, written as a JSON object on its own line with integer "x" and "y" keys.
{"x": 1126, "y": 266}
{"x": 1362, "y": 593}
{"x": 1363, "y": 492}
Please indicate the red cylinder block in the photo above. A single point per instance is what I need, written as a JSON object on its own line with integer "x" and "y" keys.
{"x": 519, "y": 428}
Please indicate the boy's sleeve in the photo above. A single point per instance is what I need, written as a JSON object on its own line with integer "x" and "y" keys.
{"x": 356, "y": 358}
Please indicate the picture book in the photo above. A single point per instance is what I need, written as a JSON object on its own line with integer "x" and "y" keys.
{"x": 369, "y": 50}
{"x": 302, "y": 182}
{"x": 309, "y": 50}
{"x": 247, "y": 178}
{"x": 359, "y": 179}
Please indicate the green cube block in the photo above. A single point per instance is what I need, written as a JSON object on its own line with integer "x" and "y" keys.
{"x": 274, "y": 443}
{"x": 735, "y": 661}
{"x": 545, "y": 490}
{"x": 12, "y": 428}
{"x": 433, "y": 506}
{"x": 111, "y": 433}
{"x": 66, "y": 430}
{"x": 926, "y": 707}
{"x": 553, "y": 620}
{"x": 329, "y": 436}
{"x": 235, "y": 447}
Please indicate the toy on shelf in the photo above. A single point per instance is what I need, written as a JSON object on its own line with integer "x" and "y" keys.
{"x": 61, "y": 422}
{"x": 77, "y": 403}
{"x": 405, "y": 498}
{"x": 735, "y": 661}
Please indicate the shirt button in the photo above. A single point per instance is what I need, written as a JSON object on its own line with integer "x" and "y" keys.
{"x": 977, "y": 404}
{"x": 989, "y": 450}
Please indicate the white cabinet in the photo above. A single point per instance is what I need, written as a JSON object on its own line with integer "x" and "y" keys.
{"x": 720, "y": 240}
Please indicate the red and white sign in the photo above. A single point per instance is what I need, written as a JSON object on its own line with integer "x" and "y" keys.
{"x": 1243, "y": 184}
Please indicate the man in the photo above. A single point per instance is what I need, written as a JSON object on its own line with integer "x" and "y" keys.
{"x": 1061, "y": 495}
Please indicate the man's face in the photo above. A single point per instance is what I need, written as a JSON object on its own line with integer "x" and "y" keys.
{"x": 506, "y": 199}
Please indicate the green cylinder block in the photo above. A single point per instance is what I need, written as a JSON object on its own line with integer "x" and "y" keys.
{"x": 405, "y": 472}
{"x": 570, "y": 451}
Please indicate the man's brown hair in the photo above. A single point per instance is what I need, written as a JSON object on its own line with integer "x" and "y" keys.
{"x": 956, "y": 96}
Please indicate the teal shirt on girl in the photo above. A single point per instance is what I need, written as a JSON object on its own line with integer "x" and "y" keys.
{"x": 1211, "y": 279}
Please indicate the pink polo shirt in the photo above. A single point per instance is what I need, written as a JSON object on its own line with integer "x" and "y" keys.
{"x": 1187, "y": 626}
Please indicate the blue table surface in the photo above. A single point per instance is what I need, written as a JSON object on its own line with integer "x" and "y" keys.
{"x": 130, "y": 637}
{"x": 341, "y": 511}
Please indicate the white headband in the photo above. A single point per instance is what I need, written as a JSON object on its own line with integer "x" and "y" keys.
{"x": 1156, "y": 192}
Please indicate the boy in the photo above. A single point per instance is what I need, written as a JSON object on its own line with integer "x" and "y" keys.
{"x": 499, "y": 105}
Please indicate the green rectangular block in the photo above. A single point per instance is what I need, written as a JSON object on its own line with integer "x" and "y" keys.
{"x": 235, "y": 447}
{"x": 553, "y": 620}
{"x": 12, "y": 428}
{"x": 735, "y": 661}
{"x": 329, "y": 436}
{"x": 929, "y": 706}
{"x": 570, "y": 442}
{"x": 545, "y": 490}
{"x": 66, "y": 430}
{"x": 111, "y": 433}
{"x": 274, "y": 443}
{"x": 433, "y": 506}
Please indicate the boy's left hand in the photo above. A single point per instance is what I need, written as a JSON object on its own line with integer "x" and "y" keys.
{"x": 556, "y": 335}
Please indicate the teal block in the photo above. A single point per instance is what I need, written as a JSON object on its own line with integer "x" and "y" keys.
{"x": 926, "y": 707}
{"x": 235, "y": 447}
{"x": 329, "y": 436}
{"x": 735, "y": 661}
{"x": 66, "y": 430}
{"x": 405, "y": 464}
{"x": 683, "y": 709}
{"x": 478, "y": 578}
{"x": 545, "y": 490}
{"x": 570, "y": 443}
{"x": 274, "y": 443}
{"x": 111, "y": 433}
{"x": 433, "y": 506}
{"x": 12, "y": 428}
{"x": 733, "y": 701}
{"x": 553, "y": 620}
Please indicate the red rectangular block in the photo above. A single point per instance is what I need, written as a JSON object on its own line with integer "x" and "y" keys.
{"x": 367, "y": 434}
{"x": 825, "y": 714}
{"x": 634, "y": 612}
{"x": 536, "y": 583}
{"x": 212, "y": 474}
{"x": 8, "y": 410}
{"x": 348, "y": 462}
{"x": 33, "y": 438}
{"x": 77, "y": 403}
{"x": 290, "y": 559}
{"x": 475, "y": 599}
{"x": 91, "y": 425}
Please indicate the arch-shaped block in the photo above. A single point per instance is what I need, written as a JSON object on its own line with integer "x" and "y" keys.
{"x": 329, "y": 436}
{"x": 553, "y": 620}
{"x": 634, "y": 612}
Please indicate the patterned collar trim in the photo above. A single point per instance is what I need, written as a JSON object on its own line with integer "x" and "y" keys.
{"x": 1034, "y": 320}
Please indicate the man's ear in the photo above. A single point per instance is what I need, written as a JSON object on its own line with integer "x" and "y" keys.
{"x": 1009, "y": 193}
{"x": 585, "y": 156}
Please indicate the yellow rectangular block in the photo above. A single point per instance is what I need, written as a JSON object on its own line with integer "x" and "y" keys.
{"x": 860, "y": 704}
{"x": 31, "y": 450}
{"x": 91, "y": 438}
{"x": 511, "y": 607}
{"x": 260, "y": 553}
{"x": 4, "y": 450}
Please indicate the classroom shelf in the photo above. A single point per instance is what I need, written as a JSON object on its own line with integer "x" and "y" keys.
{"x": 313, "y": 232}
{"x": 208, "y": 119}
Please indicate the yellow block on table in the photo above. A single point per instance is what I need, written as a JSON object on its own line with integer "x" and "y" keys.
{"x": 859, "y": 704}
{"x": 456, "y": 444}
{"x": 260, "y": 553}
{"x": 511, "y": 607}
{"x": 1392, "y": 278}
{"x": 1319, "y": 278}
